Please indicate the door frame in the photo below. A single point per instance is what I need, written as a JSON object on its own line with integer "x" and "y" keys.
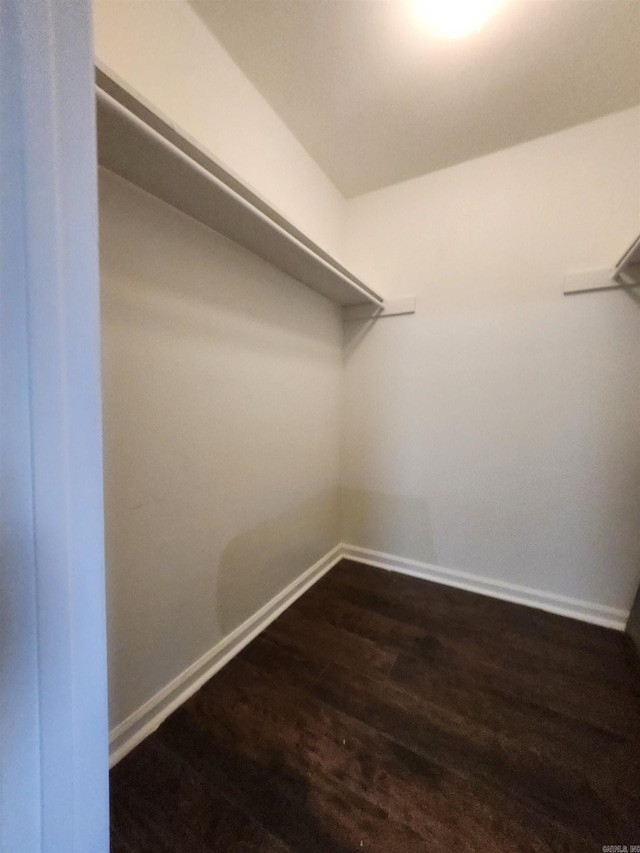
{"x": 53, "y": 677}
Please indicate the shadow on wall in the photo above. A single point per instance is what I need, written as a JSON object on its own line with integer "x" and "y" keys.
{"x": 215, "y": 284}
{"x": 355, "y": 331}
{"x": 394, "y": 524}
{"x": 256, "y": 565}
{"x": 634, "y": 295}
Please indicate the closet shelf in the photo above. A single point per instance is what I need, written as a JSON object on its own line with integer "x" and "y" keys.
{"x": 142, "y": 146}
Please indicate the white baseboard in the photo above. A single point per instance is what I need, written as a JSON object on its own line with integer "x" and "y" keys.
{"x": 124, "y": 737}
{"x": 586, "y": 611}
{"x": 149, "y": 716}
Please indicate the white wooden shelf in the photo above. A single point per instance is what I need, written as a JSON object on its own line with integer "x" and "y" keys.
{"x": 145, "y": 148}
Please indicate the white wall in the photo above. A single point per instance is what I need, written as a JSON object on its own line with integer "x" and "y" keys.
{"x": 221, "y": 375}
{"x": 497, "y": 431}
{"x": 222, "y": 382}
{"x": 162, "y": 49}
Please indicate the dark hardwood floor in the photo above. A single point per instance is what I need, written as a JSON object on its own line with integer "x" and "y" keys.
{"x": 385, "y": 713}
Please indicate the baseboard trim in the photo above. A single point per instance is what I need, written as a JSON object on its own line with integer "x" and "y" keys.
{"x": 124, "y": 737}
{"x": 597, "y": 614}
{"x": 149, "y": 716}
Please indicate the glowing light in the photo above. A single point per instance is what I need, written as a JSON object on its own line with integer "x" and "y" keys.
{"x": 455, "y": 18}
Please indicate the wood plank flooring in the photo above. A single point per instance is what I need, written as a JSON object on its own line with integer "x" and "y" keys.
{"x": 384, "y": 713}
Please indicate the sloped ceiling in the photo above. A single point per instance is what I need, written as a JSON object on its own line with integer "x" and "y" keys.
{"x": 376, "y": 99}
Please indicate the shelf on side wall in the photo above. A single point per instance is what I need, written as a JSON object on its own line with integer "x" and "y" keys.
{"x": 142, "y": 146}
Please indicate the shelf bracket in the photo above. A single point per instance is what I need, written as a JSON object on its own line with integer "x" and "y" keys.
{"x": 390, "y": 308}
{"x": 595, "y": 280}
{"x": 626, "y": 273}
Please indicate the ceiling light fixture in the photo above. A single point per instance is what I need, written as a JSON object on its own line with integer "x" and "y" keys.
{"x": 455, "y": 18}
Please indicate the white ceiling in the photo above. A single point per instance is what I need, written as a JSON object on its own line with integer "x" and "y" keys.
{"x": 376, "y": 99}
